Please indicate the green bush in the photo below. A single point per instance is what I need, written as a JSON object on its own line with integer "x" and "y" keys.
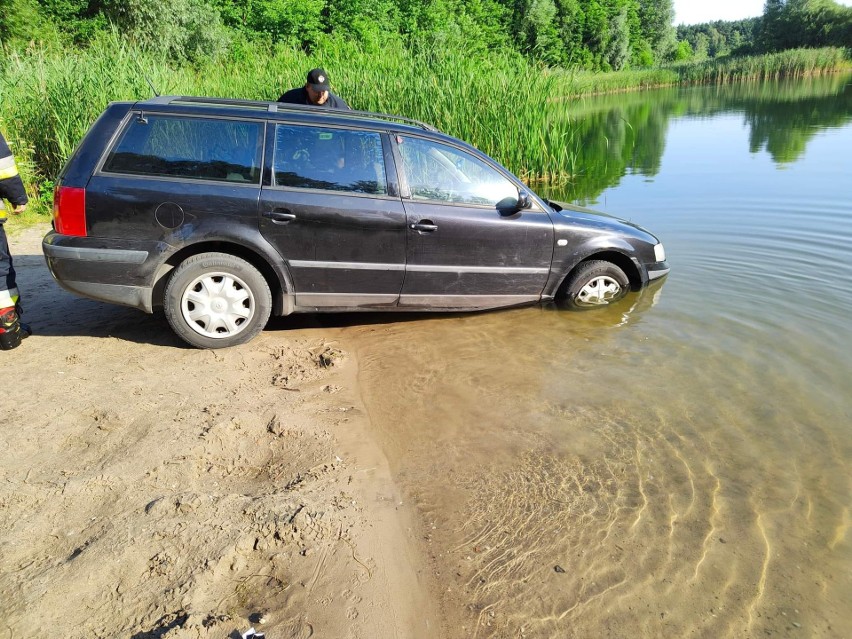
{"x": 182, "y": 29}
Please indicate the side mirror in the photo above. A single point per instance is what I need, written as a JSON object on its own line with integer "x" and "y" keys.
{"x": 510, "y": 205}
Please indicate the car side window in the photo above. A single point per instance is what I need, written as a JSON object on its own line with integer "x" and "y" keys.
{"x": 193, "y": 148}
{"x": 329, "y": 159}
{"x": 442, "y": 173}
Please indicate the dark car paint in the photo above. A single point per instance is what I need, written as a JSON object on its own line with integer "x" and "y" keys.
{"x": 592, "y": 233}
{"x": 477, "y": 257}
{"x": 505, "y": 258}
{"x": 330, "y": 231}
{"x": 81, "y": 165}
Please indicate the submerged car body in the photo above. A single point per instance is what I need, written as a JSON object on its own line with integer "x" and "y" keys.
{"x": 223, "y": 212}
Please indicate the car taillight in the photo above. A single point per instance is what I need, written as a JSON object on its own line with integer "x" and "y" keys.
{"x": 69, "y": 210}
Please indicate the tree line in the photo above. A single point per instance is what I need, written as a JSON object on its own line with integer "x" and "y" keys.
{"x": 596, "y": 35}
{"x": 785, "y": 24}
{"x": 589, "y": 34}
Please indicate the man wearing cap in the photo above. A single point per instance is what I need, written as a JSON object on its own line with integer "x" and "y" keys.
{"x": 316, "y": 92}
{"x": 12, "y": 189}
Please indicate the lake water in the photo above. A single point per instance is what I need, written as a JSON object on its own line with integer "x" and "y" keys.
{"x": 679, "y": 464}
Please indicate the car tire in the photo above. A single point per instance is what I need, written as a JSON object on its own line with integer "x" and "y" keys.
{"x": 594, "y": 284}
{"x": 217, "y": 300}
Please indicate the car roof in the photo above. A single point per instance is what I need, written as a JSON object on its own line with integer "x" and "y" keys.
{"x": 278, "y": 110}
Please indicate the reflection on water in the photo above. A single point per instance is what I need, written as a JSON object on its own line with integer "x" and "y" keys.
{"x": 678, "y": 464}
{"x": 625, "y": 134}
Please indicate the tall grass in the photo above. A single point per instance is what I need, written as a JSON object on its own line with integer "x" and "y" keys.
{"x": 586, "y": 83}
{"x": 513, "y": 110}
{"x": 47, "y": 100}
{"x": 793, "y": 63}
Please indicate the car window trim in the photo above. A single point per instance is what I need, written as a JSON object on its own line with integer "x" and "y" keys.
{"x": 302, "y": 189}
{"x": 391, "y": 167}
{"x": 135, "y": 113}
{"x": 172, "y": 178}
{"x": 464, "y": 205}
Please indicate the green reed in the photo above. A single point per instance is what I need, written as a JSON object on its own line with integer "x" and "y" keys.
{"x": 588, "y": 83}
{"x": 503, "y": 106}
{"x": 514, "y": 110}
{"x": 793, "y": 63}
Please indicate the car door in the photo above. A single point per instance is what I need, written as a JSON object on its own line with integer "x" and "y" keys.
{"x": 468, "y": 246}
{"x": 335, "y": 216}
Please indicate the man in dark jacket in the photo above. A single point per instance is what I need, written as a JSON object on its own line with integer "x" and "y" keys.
{"x": 12, "y": 189}
{"x": 316, "y": 92}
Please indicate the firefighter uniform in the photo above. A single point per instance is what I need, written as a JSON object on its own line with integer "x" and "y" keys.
{"x": 11, "y": 189}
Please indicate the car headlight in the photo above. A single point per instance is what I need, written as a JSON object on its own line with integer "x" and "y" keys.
{"x": 659, "y": 252}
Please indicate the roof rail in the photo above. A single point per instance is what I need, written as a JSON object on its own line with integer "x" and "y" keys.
{"x": 280, "y": 106}
{"x": 343, "y": 113}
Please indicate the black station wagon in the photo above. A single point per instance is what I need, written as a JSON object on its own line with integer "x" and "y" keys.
{"x": 222, "y": 212}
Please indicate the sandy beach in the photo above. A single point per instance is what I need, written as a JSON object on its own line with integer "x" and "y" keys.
{"x": 148, "y": 489}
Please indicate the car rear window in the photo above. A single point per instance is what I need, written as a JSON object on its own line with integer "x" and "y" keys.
{"x": 193, "y": 148}
{"x": 329, "y": 159}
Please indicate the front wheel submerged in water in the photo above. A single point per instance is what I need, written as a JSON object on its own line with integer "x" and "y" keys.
{"x": 216, "y": 300}
{"x": 594, "y": 284}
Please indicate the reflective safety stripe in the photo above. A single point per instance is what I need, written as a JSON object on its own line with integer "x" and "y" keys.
{"x": 8, "y": 298}
{"x": 7, "y": 167}
{"x": 10, "y": 172}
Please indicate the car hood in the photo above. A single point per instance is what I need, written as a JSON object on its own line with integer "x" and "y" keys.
{"x": 571, "y": 213}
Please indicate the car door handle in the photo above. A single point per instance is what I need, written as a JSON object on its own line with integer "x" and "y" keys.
{"x": 425, "y": 226}
{"x": 280, "y": 216}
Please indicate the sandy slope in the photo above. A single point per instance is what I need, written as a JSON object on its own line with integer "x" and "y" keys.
{"x": 152, "y": 490}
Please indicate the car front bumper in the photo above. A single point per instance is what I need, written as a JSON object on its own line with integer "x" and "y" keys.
{"x": 658, "y": 270}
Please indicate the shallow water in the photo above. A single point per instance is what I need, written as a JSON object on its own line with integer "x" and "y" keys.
{"x": 678, "y": 464}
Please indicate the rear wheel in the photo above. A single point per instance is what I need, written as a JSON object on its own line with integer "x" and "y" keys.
{"x": 216, "y": 300}
{"x": 594, "y": 284}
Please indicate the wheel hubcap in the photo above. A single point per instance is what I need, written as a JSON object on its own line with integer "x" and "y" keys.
{"x": 217, "y": 305}
{"x": 599, "y": 291}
